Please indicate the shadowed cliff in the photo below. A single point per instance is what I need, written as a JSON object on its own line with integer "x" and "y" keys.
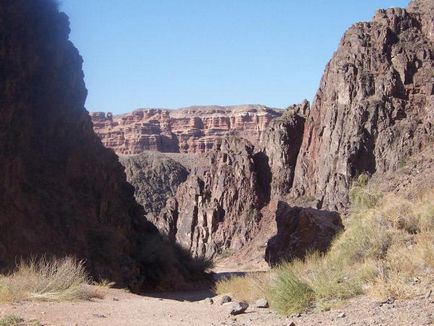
{"x": 61, "y": 192}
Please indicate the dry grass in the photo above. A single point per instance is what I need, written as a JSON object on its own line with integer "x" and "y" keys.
{"x": 11, "y": 320}
{"x": 246, "y": 288}
{"x": 49, "y": 280}
{"x": 289, "y": 294}
{"x": 386, "y": 251}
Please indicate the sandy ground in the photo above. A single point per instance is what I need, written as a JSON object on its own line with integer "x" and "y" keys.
{"x": 189, "y": 308}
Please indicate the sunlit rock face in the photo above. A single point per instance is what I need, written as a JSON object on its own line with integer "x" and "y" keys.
{"x": 374, "y": 107}
{"x": 190, "y": 130}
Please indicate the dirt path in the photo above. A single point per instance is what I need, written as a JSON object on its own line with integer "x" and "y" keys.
{"x": 188, "y": 308}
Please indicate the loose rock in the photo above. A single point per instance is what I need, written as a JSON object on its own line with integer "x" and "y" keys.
{"x": 238, "y": 308}
{"x": 225, "y": 299}
{"x": 342, "y": 315}
{"x": 262, "y": 303}
{"x": 209, "y": 301}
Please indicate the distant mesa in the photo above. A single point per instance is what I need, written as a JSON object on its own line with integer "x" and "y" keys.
{"x": 196, "y": 129}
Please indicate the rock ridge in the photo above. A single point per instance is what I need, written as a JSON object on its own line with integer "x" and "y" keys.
{"x": 196, "y": 129}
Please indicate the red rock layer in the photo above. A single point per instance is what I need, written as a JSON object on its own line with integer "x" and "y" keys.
{"x": 189, "y": 130}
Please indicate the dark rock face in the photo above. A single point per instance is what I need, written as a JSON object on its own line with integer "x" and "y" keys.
{"x": 61, "y": 191}
{"x": 375, "y": 105}
{"x": 281, "y": 144}
{"x": 156, "y": 178}
{"x": 301, "y": 230}
{"x": 217, "y": 208}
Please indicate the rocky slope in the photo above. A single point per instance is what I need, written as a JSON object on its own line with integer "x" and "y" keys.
{"x": 61, "y": 192}
{"x": 375, "y": 104}
{"x": 190, "y": 130}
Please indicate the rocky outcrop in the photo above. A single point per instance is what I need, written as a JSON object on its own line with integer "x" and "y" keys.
{"x": 61, "y": 192}
{"x": 281, "y": 144}
{"x": 300, "y": 231}
{"x": 218, "y": 207}
{"x": 190, "y": 130}
{"x": 156, "y": 177}
{"x": 375, "y": 105}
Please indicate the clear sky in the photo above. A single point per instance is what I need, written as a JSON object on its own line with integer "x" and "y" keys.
{"x": 176, "y": 53}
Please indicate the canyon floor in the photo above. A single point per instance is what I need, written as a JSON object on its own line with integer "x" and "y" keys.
{"x": 120, "y": 307}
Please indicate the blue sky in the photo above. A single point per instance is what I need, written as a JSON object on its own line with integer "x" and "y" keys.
{"x": 176, "y": 53}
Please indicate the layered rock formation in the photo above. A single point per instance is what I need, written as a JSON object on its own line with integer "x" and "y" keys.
{"x": 61, "y": 192}
{"x": 190, "y": 130}
{"x": 375, "y": 105}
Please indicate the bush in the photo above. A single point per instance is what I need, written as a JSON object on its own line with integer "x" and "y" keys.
{"x": 361, "y": 197}
{"x": 45, "y": 279}
{"x": 288, "y": 293}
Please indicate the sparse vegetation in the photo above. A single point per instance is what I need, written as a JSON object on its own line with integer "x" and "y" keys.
{"x": 247, "y": 288}
{"x": 45, "y": 279}
{"x": 386, "y": 251}
{"x": 11, "y": 320}
{"x": 289, "y": 294}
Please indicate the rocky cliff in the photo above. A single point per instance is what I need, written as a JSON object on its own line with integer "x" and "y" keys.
{"x": 217, "y": 208}
{"x": 190, "y": 130}
{"x": 374, "y": 107}
{"x": 156, "y": 177}
{"x": 281, "y": 144}
{"x": 61, "y": 192}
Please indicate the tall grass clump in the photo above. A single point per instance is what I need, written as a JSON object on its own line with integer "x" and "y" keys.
{"x": 289, "y": 294}
{"x": 63, "y": 279}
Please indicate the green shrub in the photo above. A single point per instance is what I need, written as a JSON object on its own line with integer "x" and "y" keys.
{"x": 288, "y": 293}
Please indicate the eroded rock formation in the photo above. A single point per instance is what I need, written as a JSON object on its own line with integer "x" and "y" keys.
{"x": 217, "y": 208}
{"x": 281, "y": 144}
{"x": 189, "y": 130}
{"x": 61, "y": 192}
{"x": 375, "y": 105}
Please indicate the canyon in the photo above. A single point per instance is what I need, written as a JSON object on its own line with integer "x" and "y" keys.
{"x": 374, "y": 110}
{"x": 244, "y": 181}
{"x": 145, "y": 200}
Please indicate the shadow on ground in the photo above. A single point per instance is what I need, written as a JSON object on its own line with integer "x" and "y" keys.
{"x": 194, "y": 295}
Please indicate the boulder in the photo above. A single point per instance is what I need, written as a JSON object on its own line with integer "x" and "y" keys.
{"x": 300, "y": 231}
